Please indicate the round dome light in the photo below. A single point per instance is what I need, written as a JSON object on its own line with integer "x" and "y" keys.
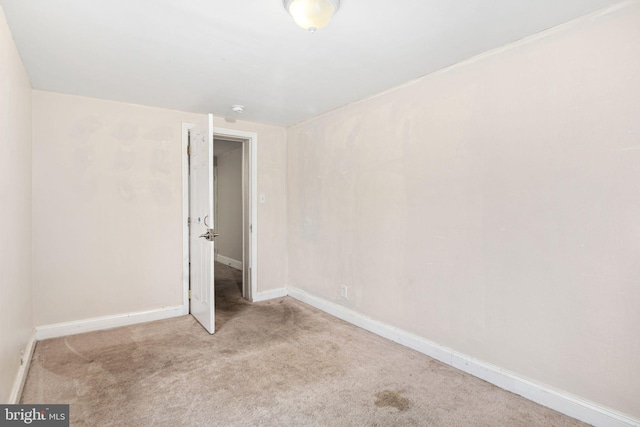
{"x": 312, "y": 14}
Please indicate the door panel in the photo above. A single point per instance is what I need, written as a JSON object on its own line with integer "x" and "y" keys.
{"x": 201, "y": 236}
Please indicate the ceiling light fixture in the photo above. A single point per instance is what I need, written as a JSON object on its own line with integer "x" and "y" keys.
{"x": 311, "y": 14}
{"x": 237, "y": 108}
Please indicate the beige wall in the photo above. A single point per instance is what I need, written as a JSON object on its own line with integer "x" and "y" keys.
{"x": 107, "y": 204}
{"x": 16, "y": 318}
{"x": 492, "y": 208}
{"x": 229, "y": 204}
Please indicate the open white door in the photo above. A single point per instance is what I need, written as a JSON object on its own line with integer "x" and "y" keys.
{"x": 201, "y": 236}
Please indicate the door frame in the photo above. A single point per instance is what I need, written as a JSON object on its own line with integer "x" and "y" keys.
{"x": 250, "y": 148}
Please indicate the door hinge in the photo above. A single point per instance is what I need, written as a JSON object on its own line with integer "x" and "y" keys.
{"x": 189, "y": 150}
{"x": 189, "y": 222}
{"x": 189, "y": 293}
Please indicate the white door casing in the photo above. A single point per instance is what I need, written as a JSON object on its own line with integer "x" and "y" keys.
{"x": 250, "y": 260}
{"x": 201, "y": 212}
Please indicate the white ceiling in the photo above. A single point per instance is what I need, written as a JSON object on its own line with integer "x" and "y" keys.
{"x": 205, "y": 55}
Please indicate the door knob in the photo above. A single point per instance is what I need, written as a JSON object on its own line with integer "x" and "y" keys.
{"x": 209, "y": 235}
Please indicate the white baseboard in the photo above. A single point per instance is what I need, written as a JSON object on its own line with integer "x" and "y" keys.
{"x": 229, "y": 261}
{"x": 559, "y": 401}
{"x": 21, "y": 376}
{"x": 272, "y": 294}
{"x": 106, "y": 322}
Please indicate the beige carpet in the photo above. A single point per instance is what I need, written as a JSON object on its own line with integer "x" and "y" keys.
{"x": 277, "y": 363}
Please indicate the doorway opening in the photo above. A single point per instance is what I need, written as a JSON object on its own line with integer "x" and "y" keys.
{"x": 228, "y": 211}
{"x": 247, "y": 152}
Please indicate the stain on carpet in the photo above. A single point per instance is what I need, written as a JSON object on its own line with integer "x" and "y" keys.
{"x": 393, "y": 399}
{"x": 286, "y": 314}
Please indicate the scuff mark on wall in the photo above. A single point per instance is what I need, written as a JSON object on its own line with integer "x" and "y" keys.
{"x": 126, "y": 132}
{"x": 632, "y": 148}
{"x": 124, "y": 159}
{"x": 126, "y": 190}
{"x": 161, "y": 192}
{"x": 85, "y": 127}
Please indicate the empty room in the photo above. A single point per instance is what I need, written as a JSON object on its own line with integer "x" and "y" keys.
{"x": 320, "y": 212}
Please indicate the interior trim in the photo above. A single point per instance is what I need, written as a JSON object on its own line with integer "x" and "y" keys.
{"x": 21, "y": 375}
{"x": 233, "y": 263}
{"x": 272, "y": 294}
{"x": 105, "y": 322}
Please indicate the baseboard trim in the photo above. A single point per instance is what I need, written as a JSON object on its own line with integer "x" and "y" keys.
{"x": 229, "y": 261}
{"x": 21, "y": 375}
{"x": 559, "y": 401}
{"x": 272, "y": 294}
{"x": 106, "y": 322}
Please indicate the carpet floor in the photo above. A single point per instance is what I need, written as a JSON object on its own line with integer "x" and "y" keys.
{"x": 275, "y": 363}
